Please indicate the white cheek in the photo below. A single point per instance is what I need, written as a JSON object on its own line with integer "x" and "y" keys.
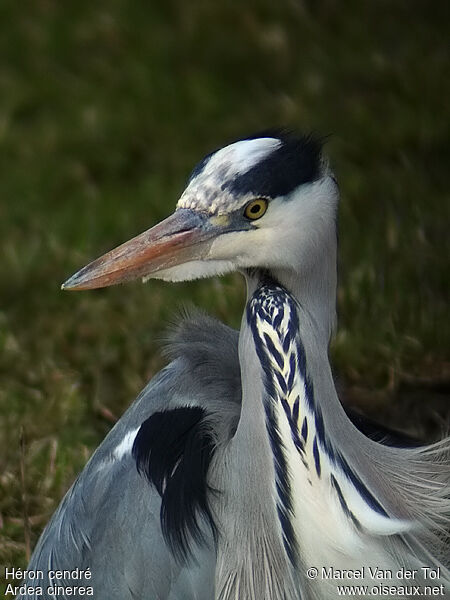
{"x": 243, "y": 248}
{"x": 195, "y": 269}
{"x": 297, "y": 229}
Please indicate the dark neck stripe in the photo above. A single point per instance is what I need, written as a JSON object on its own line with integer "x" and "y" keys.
{"x": 285, "y": 504}
{"x": 364, "y": 492}
{"x": 283, "y": 485}
{"x": 343, "y": 502}
{"x": 266, "y": 349}
{"x": 271, "y": 295}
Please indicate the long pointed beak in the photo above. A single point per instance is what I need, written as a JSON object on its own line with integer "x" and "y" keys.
{"x": 184, "y": 236}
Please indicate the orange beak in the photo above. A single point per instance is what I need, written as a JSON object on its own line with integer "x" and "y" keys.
{"x": 182, "y": 237}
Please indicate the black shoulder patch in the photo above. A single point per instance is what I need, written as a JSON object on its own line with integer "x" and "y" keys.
{"x": 298, "y": 160}
{"x": 173, "y": 449}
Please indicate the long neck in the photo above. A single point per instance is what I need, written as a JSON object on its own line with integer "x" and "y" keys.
{"x": 313, "y": 326}
{"x": 258, "y": 470}
{"x": 257, "y": 559}
{"x": 281, "y": 447}
{"x": 314, "y": 293}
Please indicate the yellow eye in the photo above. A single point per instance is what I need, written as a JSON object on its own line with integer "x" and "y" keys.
{"x": 255, "y": 209}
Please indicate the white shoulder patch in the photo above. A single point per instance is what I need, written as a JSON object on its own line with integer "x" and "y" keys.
{"x": 125, "y": 446}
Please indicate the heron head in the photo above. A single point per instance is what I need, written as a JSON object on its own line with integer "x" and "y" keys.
{"x": 265, "y": 201}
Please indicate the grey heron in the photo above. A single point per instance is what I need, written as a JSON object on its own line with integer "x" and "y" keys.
{"x": 237, "y": 470}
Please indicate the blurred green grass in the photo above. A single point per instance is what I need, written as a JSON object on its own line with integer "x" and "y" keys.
{"x": 104, "y": 109}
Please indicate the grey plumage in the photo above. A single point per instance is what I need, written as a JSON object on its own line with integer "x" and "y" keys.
{"x": 287, "y": 480}
{"x": 108, "y": 504}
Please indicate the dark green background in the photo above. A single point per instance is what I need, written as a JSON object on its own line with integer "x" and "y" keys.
{"x": 106, "y": 106}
